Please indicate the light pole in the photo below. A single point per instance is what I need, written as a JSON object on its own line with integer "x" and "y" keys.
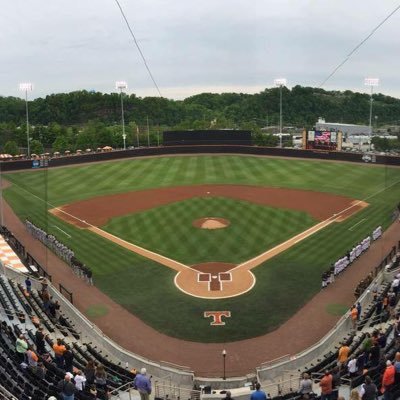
{"x": 148, "y": 132}
{"x": 224, "y": 359}
{"x": 25, "y": 87}
{"x": 371, "y": 82}
{"x": 280, "y": 83}
{"x": 121, "y": 85}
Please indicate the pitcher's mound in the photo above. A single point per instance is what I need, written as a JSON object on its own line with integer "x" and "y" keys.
{"x": 211, "y": 223}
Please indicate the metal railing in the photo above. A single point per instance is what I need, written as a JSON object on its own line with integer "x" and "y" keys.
{"x": 172, "y": 392}
{"x": 117, "y": 393}
{"x": 282, "y": 387}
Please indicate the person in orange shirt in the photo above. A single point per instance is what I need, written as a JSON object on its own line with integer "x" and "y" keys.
{"x": 59, "y": 350}
{"x": 343, "y": 354}
{"x": 326, "y": 386}
{"x": 388, "y": 380}
{"x": 32, "y": 357}
{"x": 354, "y": 316}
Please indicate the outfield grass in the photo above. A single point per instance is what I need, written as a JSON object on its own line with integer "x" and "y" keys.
{"x": 144, "y": 287}
{"x": 168, "y": 229}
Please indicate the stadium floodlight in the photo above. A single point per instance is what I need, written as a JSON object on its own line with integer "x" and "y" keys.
{"x": 27, "y": 87}
{"x": 122, "y": 85}
{"x": 371, "y": 82}
{"x": 280, "y": 82}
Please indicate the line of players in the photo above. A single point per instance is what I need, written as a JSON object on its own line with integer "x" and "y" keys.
{"x": 340, "y": 265}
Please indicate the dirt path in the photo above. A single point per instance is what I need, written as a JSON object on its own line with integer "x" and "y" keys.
{"x": 305, "y": 328}
{"x": 99, "y": 210}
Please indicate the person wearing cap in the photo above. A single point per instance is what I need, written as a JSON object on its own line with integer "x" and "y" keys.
{"x": 143, "y": 384}
{"x": 388, "y": 380}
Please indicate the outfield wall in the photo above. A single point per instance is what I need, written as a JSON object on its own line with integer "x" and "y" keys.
{"x": 219, "y": 149}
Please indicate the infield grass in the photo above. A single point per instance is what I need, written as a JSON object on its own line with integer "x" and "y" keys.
{"x": 168, "y": 230}
{"x": 144, "y": 287}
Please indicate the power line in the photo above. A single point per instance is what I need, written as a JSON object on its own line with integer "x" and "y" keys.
{"x": 358, "y": 46}
{"x": 138, "y": 47}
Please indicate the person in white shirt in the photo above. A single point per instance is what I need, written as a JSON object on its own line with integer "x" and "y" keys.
{"x": 352, "y": 366}
{"x": 80, "y": 380}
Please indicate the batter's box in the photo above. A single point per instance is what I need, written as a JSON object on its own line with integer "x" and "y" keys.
{"x": 202, "y": 277}
{"x": 225, "y": 276}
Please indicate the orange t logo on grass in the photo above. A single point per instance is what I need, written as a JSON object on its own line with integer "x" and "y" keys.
{"x": 217, "y": 317}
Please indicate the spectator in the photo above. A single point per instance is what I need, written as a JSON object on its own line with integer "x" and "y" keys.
{"x": 374, "y": 354}
{"x": 354, "y": 316}
{"x": 368, "y": 390}
{"x": 21, "y": 346}
{"x": 335, "y": 383}
{"x": 352, "y": 366}
{"x": 143, "y": 384}
{"x": 326, "y": 386}
{"x": 68, "y": 359}
{"x": 66, "y": 388}
{"x": 92, "y": 392}
{"x": 258, "y": 394}
{"x": 382, "y": 340}
{"x": 388, "y": 380}
{"x": 358, "y": 306}
{"x": 228, "y": 396}
{"x": 343, "y": 354}
{"x": 306, "y": 384}
{"x": 397, "y": 368}
{"x": 59, "y": 350}
{"x": 89, "y": 371}
{"x": 32, "y": 357}
{"x": 28, "y": 285}
{"x": 354, "y": 395}
{"x": 39, "y": 340}
{"x": 100, "y": 378}
{"x": 80, "y": 380}
{"x": 367, "y": 343}
{"x": 39, "y": 371}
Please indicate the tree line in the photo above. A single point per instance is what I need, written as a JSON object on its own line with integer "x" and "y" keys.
{"x": 82, "y": 119}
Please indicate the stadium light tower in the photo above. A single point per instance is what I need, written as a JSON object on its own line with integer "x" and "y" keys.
{"x": 121, "y": 85}
{"x": 371, "y": 82}
{"x": 25, "y": 87}
{"x": 280, "y": 83}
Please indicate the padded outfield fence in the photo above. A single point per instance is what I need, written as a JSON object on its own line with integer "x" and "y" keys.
{"x": 207, "y": 149}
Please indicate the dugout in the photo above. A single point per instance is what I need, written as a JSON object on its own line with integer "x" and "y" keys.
{"x": 207, "y": 137}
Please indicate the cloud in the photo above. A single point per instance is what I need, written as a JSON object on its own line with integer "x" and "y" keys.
{"x": 190, "y": 45}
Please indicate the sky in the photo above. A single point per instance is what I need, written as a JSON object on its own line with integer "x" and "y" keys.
{"x": 195, "y": 46}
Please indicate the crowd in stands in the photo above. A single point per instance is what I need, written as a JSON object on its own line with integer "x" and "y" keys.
{"x": 61, "y": 250}
{"x": 340, "y": 265}
{"x": 55, "y": 367}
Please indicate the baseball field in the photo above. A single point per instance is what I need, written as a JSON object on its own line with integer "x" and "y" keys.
{"x": 170, "y": 238}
